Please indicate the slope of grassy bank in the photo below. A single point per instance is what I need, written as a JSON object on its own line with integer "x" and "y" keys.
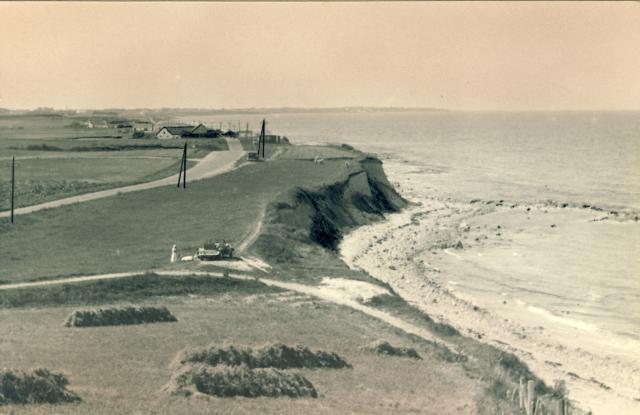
{"x": 135, "y": 231}
{"x": 304, "y": 227}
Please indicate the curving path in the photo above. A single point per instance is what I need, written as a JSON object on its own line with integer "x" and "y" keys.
{"x": 213, "y": 164}
{"x": 320, "y": 292}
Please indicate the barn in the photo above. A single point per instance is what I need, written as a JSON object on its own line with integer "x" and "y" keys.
{"x": 166, "y": 133}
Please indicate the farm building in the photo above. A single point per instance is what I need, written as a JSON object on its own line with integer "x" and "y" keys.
{"x": 142, "y": 126}
{"x": 124, "y": 127}
{"x": 199, "y": 131}
{"x": 187, "y": 131}
{"x": 174, "y": 132}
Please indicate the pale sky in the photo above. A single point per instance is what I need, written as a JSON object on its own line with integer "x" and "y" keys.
{"x": 473, "y": 56}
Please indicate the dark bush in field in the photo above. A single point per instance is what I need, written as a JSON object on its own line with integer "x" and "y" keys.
{"x": 37, "y": 386}
{"x": 277, "y": 356}
{"x": 384, "y": 348}
{"x": 240, "y": 381}
{"x": 119, "y": 316}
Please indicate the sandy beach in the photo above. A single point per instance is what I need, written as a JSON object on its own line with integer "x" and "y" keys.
{"x": 439, "y": 244}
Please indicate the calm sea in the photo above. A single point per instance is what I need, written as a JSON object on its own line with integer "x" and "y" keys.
{"x": 582, "y": 157}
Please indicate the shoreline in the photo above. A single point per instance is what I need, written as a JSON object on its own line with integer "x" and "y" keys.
{"x": 417, "y": 251}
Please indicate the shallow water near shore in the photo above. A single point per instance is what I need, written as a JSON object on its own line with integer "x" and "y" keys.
{"x": 544, "y": 206}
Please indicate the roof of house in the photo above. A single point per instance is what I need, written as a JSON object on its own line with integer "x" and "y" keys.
{"x": 178, "y": 130}
{"x": 198, "y": 126}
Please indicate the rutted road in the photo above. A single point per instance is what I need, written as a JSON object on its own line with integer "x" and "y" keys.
{"x": 213, "y": 164}
{"x": 319, "y": 291}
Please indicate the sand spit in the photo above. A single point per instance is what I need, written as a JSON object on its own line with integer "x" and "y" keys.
{"x": 420, "y": 252}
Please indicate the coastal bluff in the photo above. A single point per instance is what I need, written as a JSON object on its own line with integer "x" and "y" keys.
{"x": 309, "y": 217}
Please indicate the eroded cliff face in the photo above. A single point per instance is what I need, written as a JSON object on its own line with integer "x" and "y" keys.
{"x": 320, "y": 216}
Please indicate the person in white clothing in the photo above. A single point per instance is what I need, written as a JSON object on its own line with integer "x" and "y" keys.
{"x": 174, "y": 254}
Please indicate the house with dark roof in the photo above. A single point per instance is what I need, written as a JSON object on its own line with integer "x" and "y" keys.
{"x": 187, "y": 131}
{"x": 174, "y": 132}
{"x": 199, "y": 130}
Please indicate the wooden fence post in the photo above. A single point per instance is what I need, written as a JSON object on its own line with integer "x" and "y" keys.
{"x": 538, "y": 408}
{"x": 521, "y": 393}
{"x": 531, "y": 396}
{"x": 561, "y": 407}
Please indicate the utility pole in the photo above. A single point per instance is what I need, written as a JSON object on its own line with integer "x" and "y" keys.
{"x": 184, "y": 162}
{"x": 182, "y": 176}
{"x": 13, "y": 185}
{"x": 262, "y": 136}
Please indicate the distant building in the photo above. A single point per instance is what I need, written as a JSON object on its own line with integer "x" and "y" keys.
{"x": 142, "y": 126}
{"x": 187, "y": 131}
{"x": 123, "y": 127}
{"x": 199, "y": 131}
{"x": 166, "y": 133}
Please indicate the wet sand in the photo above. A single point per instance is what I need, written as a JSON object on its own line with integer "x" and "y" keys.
{"x": 492, "y": 268}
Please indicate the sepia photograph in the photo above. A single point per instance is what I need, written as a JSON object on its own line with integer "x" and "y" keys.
{"x": 319, "y": 207}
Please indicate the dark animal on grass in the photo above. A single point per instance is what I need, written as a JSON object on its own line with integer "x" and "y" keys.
{"x": 277, "y": 356}
{"x": 120, "y": 316}
{"x": 384, "y": 348}
{"x": 34, "y": 387}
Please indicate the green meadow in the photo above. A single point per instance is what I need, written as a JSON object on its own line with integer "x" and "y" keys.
{"x": 54, "y": 161}
{"x": 135, "y": 231}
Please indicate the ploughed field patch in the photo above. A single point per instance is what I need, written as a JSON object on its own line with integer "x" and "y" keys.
{"x": 35, "y": 387}
{"x": 119, "y": 316}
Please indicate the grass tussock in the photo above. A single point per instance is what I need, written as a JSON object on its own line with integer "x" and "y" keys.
{"x": 386, "y": 349}
{"x": 241, "y": 381}
{"x": 277, "y": 356}
{"x": 35, "y": 387}
{"x": 120, "y": 316}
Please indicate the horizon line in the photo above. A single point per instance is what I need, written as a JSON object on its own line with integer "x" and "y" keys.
{"x": 301, "y": 108}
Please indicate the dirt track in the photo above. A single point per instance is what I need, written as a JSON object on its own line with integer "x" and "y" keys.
{"x": 321, "y": 292}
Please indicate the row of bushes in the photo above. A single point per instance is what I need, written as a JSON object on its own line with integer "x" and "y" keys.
{"x": 279, "y": 356}
{"x": 119, "y": 316}
{"x": 37, "y": 386}
{"x": 241, "y": 381}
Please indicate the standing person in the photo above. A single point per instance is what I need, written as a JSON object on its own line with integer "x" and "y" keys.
{"x": 174, "y": 253}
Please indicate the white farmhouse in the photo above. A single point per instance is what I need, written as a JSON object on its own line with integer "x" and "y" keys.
{"x": 166, "y": 133}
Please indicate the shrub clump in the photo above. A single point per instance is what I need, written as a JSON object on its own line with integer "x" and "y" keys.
{"x": 277, "y": 356}
{"x": 384, "y": 348}
{"x": 119, "y": 316}
{"x": 241, "y": 381}
{"x": 35, "y": 387}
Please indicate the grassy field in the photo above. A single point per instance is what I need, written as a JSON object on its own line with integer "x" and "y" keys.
{"x": 123, "y": 369}
{"x": 55, "y": 161}
{"x": 45, "y": 179}
{"x": 135, "y": 231}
